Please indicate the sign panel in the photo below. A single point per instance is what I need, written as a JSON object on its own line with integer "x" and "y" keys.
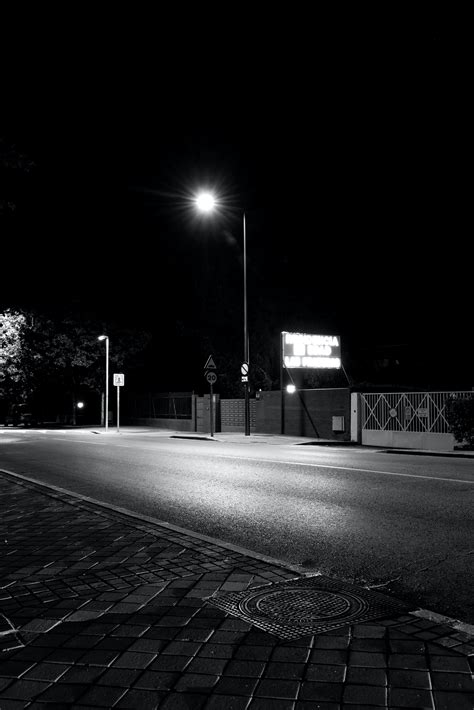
{"x": 301, "y": 350}
{"x": 211, "y": 377}
{"x": 244, "y": 369}
{"x": 210, "y": 364}
{"x": 119, "y": 380}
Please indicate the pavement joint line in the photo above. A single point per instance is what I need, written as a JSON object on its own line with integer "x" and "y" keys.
{"x": 456, "y": 624}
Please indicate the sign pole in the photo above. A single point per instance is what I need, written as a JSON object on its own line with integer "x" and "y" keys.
{"x": 118, "y": 409}
{"x": 211, "y": 377}
{"x": 211, "y": 410}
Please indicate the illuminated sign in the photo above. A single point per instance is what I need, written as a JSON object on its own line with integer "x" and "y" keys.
{"x": 316, "y": 351}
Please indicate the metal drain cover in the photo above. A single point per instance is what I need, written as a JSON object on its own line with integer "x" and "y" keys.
{"x": 306, "y": 605}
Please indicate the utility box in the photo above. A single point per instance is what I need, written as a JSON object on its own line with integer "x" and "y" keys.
{"x": 338, "y": 423}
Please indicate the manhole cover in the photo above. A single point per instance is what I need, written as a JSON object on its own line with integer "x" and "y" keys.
{"x": 307, "y": 605}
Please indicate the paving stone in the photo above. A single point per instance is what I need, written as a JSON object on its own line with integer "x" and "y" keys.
{"x": 46, "y": 671}
{"x": 25, "y": 689}
{"x": 184, "y": 701}
{"x": 270, "y": 704}
{"x": 143, "y": 699}
{"x": 284, "y": 670}
{"x": 452, "y": 681}
{"x": 367, "y": 660}
{"x": 450, "y": 663}
{"x": 252, "y": 653}
{"x": 453, "y": 701}
{"x": 226, "y": 702}
{"x": 134, "y": 660}
{"x": 63, "y": 693}
{"x": 330, "y": 642}
{"x": 366, "y": 676}
{"x": 211, "y": 650}
{"x": 409, "y": 679}
{"x": 230, "y": 685}
{"x": 329, "y": 657}
{"x": 408, "y": 661}
{"x": 213, "y": 666}
{"x": 101, "y": 696}
{"x": 365, "y": 695}
{"x": 290, "y": 654}
{"x": 121, "y": 677}
{"x": 196, "y": 682}
{"x": 277, "y": 688}
{"x": 321, "y": 691}
{"x": 325, "y": 673}
{"x": 250, "y": 669}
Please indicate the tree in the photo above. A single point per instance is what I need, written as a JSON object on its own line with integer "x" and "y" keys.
{"x": 40, "y": 354}
{"x": 460, "y": 416}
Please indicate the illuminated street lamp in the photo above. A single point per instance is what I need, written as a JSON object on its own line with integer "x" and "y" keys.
{"x": 206, "y": 202}
{"x": 106, "y": 338}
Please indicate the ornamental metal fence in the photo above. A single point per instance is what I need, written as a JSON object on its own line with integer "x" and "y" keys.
{"x": 407, "y": 411}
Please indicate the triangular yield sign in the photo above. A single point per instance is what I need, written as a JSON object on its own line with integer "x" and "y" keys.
{"x": 210, "y": 364}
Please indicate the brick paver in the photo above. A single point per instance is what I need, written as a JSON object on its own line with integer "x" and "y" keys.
{"x": 100, "y": 609}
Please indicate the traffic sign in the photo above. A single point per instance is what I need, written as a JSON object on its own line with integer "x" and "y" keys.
{"x": 210, "y": 364}
{"x": 211, "y": 377}
{"x": 244, "y": 378}
{"x": 119, "y": 380}
{"x": 244, "y": 369}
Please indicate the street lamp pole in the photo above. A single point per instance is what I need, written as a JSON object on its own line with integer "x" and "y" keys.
{"x": 106, "y": 414}
{"x": 246, "y": 335}
{"x": 206, "y": 202}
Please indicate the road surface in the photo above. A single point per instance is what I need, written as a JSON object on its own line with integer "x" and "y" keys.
{"x": 402, "y": 523}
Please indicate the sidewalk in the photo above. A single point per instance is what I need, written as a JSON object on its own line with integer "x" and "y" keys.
{"x": 102, "y": 609}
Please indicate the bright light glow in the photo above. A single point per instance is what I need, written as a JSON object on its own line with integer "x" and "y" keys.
{"x": 80, "y": 405}
{"x": 102, "y": 337}
{"x": 205, "y": 202}
{"x": 290, "y": 389}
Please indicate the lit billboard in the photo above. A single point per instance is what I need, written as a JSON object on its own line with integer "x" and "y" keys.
{"x": 300, "y": 350}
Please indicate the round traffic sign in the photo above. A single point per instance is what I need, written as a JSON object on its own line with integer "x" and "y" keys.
{"x": 244, "y": 369}
{"x": 211, "y": 377}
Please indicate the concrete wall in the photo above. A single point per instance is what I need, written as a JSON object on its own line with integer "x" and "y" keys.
{"x": 306, "y": 413}
{"x": 172, "y": 424}
{"x": 409, "y": 440}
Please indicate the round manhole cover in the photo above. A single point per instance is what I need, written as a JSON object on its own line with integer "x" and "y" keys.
{"x": 301, "y": 606}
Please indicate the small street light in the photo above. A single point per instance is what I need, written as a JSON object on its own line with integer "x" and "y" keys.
{"x": 206, "y": 202}
{"x": 106, "y": 338}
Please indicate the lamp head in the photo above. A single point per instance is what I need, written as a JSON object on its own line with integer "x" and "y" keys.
{"x": 103, "y": 337}
{"x": 205, "y": 202}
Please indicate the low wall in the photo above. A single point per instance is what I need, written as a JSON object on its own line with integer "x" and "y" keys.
{"x": 173, "y": 424}
{"x": 409, "y": 440}
{"x": 309, "y": 413}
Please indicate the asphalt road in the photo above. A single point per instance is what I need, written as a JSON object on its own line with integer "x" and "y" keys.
{"x": 401, "y": 521}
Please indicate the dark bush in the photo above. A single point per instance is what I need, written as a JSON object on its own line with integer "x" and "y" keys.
{"x": 460, "y": 417}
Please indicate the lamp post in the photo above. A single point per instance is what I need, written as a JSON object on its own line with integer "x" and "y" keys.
{"x": 206, "y": 202}
{"x": 106, "y": 417}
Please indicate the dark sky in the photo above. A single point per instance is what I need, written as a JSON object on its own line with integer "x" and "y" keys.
{"x": 347, "y": 149}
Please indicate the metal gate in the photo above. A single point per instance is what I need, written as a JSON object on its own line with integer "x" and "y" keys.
{"x": 410, "y": 419}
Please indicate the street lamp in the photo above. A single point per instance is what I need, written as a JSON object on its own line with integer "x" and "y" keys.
{"x": 106, "y": 338}
{"x": 206, "y": 202}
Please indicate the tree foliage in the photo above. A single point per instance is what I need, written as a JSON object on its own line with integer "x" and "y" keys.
{"x": 37, "y": 351}
{"x": 460, "y": 416}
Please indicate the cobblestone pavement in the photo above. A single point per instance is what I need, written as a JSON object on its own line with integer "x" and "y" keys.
{"x": 99, "y": 609}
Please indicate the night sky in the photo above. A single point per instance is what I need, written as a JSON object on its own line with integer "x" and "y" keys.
{"x": 347, "y": 151}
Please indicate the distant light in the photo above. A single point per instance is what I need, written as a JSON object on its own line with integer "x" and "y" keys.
{"x": 205, "y": 202}
{"x": 290, "y": 389}
{"x": 102, "y": 337}
{"x": 80, "y": 405}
